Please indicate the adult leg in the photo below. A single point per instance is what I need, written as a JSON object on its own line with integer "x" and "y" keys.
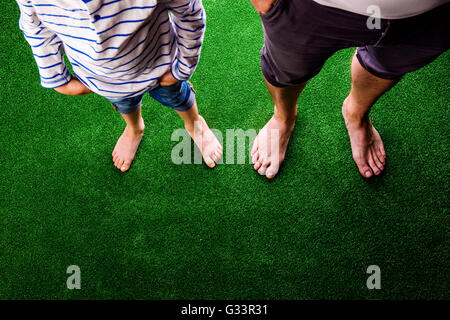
{"x": 270, "y": 145}
{"x": 292, "y": 54}
{"x": 409, "y": 45}
{"x": 367, "y": 147}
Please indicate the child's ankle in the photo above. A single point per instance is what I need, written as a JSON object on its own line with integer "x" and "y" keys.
{"x": 193, "y": 122}
{"x": 136, "y": 130}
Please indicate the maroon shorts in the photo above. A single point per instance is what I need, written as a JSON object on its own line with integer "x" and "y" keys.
{"x": 300, "y": 35}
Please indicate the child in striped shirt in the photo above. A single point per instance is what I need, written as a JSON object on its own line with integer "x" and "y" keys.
{"x": 121, "y": 49}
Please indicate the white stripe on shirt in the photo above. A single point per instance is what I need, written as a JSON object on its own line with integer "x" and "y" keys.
{"x": 118, "y": 48}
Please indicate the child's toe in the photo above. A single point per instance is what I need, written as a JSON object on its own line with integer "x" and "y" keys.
{"x": 210, "y": 162}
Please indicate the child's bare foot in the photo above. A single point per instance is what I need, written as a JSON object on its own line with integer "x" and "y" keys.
{"x": 206, "y": 141}
{"x": 367, "y": 147}
{"x": 270, "y": 146}
{"x": 127, "y": 145}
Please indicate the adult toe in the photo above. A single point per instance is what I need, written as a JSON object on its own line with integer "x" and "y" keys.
{"x": 376, "y": 171}
{"x": 363, "y": 167}
{"x": 377, "y": 160}
{"x": 381, "y": 155}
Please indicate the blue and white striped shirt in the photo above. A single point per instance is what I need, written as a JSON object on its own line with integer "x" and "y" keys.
{"x": 117, "y": 48}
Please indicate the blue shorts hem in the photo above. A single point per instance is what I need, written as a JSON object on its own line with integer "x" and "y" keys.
{"x": 180, "y": 97}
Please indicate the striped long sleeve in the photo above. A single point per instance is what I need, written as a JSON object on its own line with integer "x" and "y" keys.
{"x": 46, "y": 47}
{"x": 189, "y": 20}
{"x": 117, "y": 48}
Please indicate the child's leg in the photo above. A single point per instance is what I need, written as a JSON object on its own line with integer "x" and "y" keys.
{"x": 181, "y": 98}
{"x": 129, "y": 141}
{"x": 202, "y": 135}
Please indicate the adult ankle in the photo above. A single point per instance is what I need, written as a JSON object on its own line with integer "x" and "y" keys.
{"x": 285, "y": 118}
{"x": 357, "y": 117}
{"x": 355, "y": 113}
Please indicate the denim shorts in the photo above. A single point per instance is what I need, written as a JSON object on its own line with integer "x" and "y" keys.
{"x": 300, "y": 35}
{"x": 180, "y": 97}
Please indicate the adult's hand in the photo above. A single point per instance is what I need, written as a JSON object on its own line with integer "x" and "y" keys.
{"x": 74, "y": 88}
{"x": 263, "y": 6}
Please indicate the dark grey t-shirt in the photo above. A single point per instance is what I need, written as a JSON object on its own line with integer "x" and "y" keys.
{"x": 386, "y": 9}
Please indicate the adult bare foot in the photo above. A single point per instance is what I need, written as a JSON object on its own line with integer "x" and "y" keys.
{"x": 367, "y": 147}
{"x": 269, "y": 147}
{"x": 206, "y": 141}
{"x": 127, "y": 145}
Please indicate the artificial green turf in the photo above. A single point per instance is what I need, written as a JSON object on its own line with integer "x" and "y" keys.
{"x": 163, "y": 231}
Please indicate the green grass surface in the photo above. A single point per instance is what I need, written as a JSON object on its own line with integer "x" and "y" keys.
{"x": 163, "y": 231}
